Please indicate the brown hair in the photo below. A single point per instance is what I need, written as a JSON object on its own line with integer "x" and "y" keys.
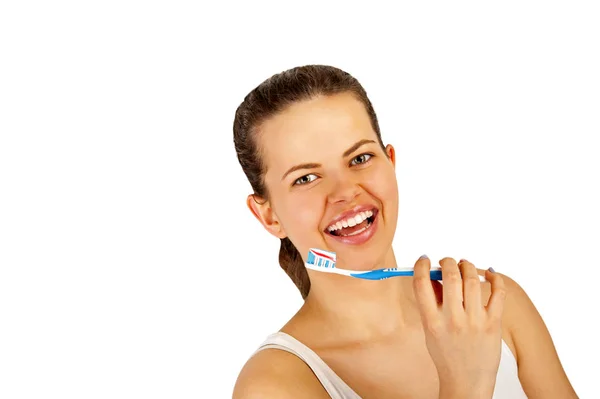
{"x": 266, "y": 100}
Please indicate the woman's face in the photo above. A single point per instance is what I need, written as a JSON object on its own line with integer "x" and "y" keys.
{"x": 326, "y": 173}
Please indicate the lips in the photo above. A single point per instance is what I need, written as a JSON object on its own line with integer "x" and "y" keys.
{"x": 355, "y": 235}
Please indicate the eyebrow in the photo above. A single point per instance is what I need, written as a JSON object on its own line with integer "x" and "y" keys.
{"x": 313, "y": 165}
{"x": 356, "y": 146}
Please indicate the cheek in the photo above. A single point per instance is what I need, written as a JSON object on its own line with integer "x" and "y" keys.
{"x": 385, "y": 189}
{"x": 383, "y": 185}
{"x": 391, "y": 187}
{"x": 304, "y": 212}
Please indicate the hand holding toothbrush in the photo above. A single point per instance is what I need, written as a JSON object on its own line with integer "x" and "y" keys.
{"x": 463, "y": 338}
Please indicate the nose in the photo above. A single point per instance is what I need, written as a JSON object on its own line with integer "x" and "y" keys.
{"x": 344, "y": 189}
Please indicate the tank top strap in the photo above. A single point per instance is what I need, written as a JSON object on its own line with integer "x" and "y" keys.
{"x": 333, "y": 384}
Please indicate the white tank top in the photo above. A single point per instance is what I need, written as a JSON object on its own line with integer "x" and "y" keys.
{"x": 508, "y": 385}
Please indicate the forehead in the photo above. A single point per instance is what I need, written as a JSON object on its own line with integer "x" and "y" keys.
{"x": 311, "y": 130}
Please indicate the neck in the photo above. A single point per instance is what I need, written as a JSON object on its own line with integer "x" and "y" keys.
{"x": 354, "y": 309}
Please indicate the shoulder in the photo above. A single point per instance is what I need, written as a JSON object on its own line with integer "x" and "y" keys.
{"x": 520, "y": 316}
{"x": 515, "y": 295}
{"x": 510, "y": 305}
{"x": 540, "y": 370}
{"x": 518, "y": 308}
{"x": 275, "y": 373}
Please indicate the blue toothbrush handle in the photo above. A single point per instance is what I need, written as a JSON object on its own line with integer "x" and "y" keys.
{"x": 383, "y": 274}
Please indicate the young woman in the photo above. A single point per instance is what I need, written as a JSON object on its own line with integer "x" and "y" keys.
{"x": 309, "y": 142}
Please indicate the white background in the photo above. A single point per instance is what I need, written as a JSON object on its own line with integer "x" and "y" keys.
{"x": 130, "y": 266}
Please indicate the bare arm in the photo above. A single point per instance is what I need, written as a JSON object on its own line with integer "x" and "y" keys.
{"x": 540, "y": 370}
{"x": 277, "y": 374}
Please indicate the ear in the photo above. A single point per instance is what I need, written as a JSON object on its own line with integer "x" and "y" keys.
{"x": 391, "y": 154}
{"x": 262, "y": 210}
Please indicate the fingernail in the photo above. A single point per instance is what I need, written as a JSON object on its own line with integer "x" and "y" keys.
{"x": 423, "y": 257}
{"x": 492, "y": 270}
{"x": 463, "y": 260}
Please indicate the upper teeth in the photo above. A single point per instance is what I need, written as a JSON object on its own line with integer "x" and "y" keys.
{"x": 351, "y": 221}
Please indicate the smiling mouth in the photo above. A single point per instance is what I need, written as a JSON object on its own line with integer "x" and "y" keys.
{"x": 349, "y": 231}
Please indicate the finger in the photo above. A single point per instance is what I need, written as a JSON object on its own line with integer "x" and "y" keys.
{"x": 495, "y": 304}
{"x": 471, "y": 288}
{"x": 452, "y": 283}
{"x": 424, "y": 292}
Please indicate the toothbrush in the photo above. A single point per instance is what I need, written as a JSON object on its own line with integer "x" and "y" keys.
{"x": 324, "y": 261}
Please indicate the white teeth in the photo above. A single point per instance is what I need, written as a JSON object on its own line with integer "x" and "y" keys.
{"x": 357, "y": 232}
{"x": 352, "y": 221}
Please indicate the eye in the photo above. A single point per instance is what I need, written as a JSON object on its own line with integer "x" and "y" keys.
{"x": 360, "y": 159}
{"x": 305, "y": 179}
